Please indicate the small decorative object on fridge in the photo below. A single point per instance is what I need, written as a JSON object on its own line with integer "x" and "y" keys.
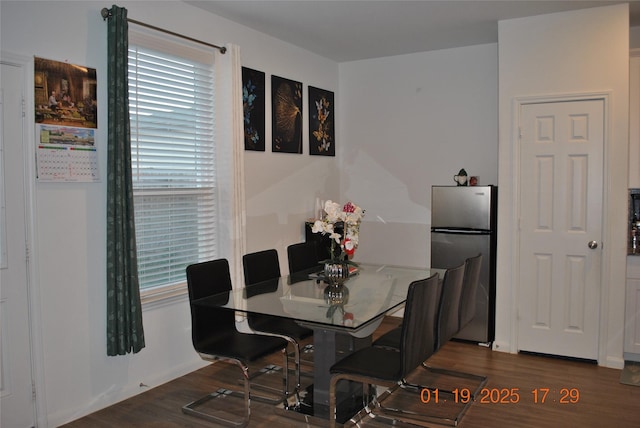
{"x": 342, "y": 224}
{"x": 461, "y": 178}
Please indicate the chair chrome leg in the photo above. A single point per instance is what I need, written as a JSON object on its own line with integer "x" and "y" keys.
{"x": 285, "y": 379}
{"x": 452, "y": 421}
{"x": 332, "y": 401}
{"x": 482, "y": 380}
{"x": 264, "y": 399}
{"x": 296, "y": 359}
{"x": 369, "y": 408}
{"x": 296, "y": 352}
{"x": 448, "y": 372}
{"x": 192, "y": 408}
{"x": 285, "y": 383}
{"x": 307, "y": 350}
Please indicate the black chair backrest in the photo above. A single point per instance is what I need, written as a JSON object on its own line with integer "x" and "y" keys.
{"x": 470, "y": 286}
{"x": 303, "y": 256}
{"x": 449, "y": 317}
{"x": 264, "y": 287}
{"x": 418, "y": 331}
{"x": 260, "y": 266}
{"x": 203, "y": 280}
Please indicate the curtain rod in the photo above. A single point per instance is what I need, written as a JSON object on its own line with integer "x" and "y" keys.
{"x": 106, "y": 14}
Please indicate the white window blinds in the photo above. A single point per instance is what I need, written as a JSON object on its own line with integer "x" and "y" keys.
{"x": 171, "y": 102}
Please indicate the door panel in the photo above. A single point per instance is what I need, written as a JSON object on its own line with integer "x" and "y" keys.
{"x": 561, "y": 197}
{"x": 16, "y": 393}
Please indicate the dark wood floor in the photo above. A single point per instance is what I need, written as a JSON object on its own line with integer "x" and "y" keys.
{"x": 602, "y": 401}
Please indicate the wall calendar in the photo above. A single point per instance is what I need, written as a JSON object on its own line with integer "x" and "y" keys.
{"x": 66, "y": 120}
{"x": 66, "y": 154}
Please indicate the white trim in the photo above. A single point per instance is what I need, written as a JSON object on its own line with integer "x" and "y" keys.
{"x": 633, "y": 180}
{"x": 162, "y": 296}
{"x": 518, "y": 102}
{"x": 33, "y": 280}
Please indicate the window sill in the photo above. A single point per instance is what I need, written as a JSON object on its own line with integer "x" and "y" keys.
{"x": 161, "y": 296}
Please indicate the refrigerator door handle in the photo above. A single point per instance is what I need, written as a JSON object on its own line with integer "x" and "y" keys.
{"x": 461, "y": 231}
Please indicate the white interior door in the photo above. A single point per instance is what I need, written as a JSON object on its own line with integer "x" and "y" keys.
{"x": 561, "y": 205}
{"x": 16, "y": 390}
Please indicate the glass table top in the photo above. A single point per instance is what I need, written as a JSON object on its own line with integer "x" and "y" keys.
{"x": 371, "y": 292}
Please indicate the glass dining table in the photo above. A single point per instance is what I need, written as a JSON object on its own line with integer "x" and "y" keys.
{"x": 343, "y": 320}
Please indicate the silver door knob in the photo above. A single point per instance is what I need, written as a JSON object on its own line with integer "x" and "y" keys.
{"x": 593, "y": 245}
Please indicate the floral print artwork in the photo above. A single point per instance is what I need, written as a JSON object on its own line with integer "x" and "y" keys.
{"x": 253, "y": 106}
{"x": 321, "y": 122}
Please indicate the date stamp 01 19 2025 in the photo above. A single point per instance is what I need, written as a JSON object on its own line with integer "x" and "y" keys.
{"x": 504, "y": 395}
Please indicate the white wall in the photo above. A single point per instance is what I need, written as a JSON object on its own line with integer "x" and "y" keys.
{"x": 577, "y": 52}
{"x": 70, "y": 236}
{"x": 281, "y": 188}
{"x": 408, "y": 122}
{"x": 405, "y": 123}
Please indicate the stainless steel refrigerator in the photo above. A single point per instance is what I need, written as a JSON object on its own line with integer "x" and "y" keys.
{"x": 463, "y": 224}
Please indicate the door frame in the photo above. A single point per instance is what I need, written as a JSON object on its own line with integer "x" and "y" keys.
{"x": 518, "y": 102}
{"x": 26, "y": 64}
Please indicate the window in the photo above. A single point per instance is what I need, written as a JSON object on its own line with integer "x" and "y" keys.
{"x": 171, "y": 103}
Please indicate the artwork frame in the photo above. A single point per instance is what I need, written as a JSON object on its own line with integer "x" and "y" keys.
{"x": 253, "y": 107}
{"x": 322, "y": 131}
{"x": 286, "y": 115}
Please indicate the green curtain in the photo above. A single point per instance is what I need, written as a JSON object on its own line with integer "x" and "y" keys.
{"x": 124, "y": 313}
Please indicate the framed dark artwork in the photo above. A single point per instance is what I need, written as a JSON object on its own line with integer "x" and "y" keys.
{"x": 286, "y": 115}
{"x": 253, "y": 106}
{"x": 322, "y": 131}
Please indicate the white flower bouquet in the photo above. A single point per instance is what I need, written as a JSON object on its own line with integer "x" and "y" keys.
{"x": 342, "y": 224}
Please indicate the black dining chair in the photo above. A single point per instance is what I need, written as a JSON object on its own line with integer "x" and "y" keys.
{"x": 215, "y": 338}
{"x": 375, "y": 365}
{"x": 466, "y": 312}
{"x": 303, "y": 257}
{"x": 447, "y": 327}
{"x": 263, "y": 266}
{"x": 448, "y": 318}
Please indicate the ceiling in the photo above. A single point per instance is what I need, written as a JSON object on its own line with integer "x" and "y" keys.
{"x": 352, "y": 30}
